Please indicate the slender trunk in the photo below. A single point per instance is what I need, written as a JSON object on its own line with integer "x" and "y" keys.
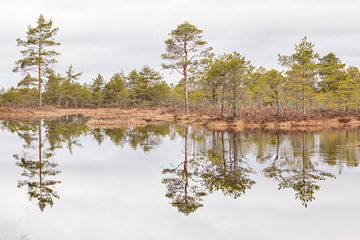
{"x": 235, "y": 150}
{"x": 40, "y": 156}
{"x": 235, "y": 100}
{"x": 186, "y": 161}
{"x": 223, "y": 151}
{"x": 193, "y": 95}
{"x": 213, "y": 90}
{"x": 303, "y": 101}
{"x": 222, "y": 102}
{"x": 185, "y": 70}
{"x": 306, "y": 162}
{"x": 277, "y": 102}
{"x": 39, "y": 75}
{"x": 277, "y": 146}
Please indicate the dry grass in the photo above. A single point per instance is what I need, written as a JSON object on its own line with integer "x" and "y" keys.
{"x": 125, "y": 117}
{"x": 101, "y": 117}
{"x": 310, "y": 125}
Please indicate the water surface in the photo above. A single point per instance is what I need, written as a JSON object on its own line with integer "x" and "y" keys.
{"x": 61, "y": 180}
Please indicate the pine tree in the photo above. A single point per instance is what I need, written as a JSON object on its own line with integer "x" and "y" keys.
{"x": 97, "y": 88}
{"x": 38, "y": 56}
{"x": 70, "y": 85}
{"x": 185, "y": 50}
{"x": 349, "y": 89}
{"x": 302, "y": 72}
{"x": 272, "y": 84}
{"x": 27, "y": 82}
{"x": 331, "y": 71}
{"x": 115, "y": 90}
{"x": 54, "y": 88}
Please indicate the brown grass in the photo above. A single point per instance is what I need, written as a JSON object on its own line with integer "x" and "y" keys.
{"x": 125, "y": 117}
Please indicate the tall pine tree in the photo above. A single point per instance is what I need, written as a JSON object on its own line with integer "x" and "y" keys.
{"x": 185, "y": 50}
{"x": 38, "y": 55}
{"x": 302, "y": 71}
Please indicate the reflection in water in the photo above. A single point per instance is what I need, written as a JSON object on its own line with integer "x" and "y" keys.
{"x": 212, "y": 161}
{"x": 297, "y": 172}
{"x": 225, "y": 167}
{"x": 39, "y": 170}
{"x": 65, "y": 130}
{"x": 182, "y": 183}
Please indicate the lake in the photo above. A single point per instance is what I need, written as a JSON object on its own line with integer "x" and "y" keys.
{"x": 62, "y": 180}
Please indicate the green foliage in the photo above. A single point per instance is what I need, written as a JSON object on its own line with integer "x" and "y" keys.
{"x": 97, "y": 87}
{"x": 27, "y": 82}
{"x": 38, "y": 56}
{"x": 271, "y": 84}
{"x": 302, "y": 71}
{"x": 115, "y": 91}
{"x": 53, "y": 88}
{"x": 226, "y": 85}
{"x": 147, "y": 86}
{"x": 19, "y": 97}
{"x": 331, "y": 71}
{"x": 228, "y": 76}
{"x": 185, "y": 52}
{"x": 70, "y": 87}
{"x": 348, "y": 90}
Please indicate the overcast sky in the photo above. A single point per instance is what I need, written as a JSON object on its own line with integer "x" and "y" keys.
{"x": 112, "y": 35}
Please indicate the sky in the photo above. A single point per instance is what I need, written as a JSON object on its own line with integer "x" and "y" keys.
{"x": 110, "y": 36}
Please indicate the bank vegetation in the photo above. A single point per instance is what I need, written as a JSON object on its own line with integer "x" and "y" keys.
{"x": 226, "y": 90}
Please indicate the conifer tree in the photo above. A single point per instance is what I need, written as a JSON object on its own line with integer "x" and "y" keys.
{"x": 302, "y": 71}
{"x": 38, "y": 55}
{"x": 115, "y": 90}
{"x": 97, "y": 88}
{"x": 185, "y": 50}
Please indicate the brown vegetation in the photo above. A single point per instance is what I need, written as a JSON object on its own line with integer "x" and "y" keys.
{"x": 98, "y": 117}
{"x": 247, "y": 120}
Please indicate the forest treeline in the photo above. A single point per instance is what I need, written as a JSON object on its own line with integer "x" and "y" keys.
{"x": 225, "y": 85}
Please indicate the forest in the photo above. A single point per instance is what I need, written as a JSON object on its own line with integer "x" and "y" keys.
{"x": 226, "y": 85}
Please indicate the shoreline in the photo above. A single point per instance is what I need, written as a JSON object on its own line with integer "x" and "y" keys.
{"x": 132, "y": 117}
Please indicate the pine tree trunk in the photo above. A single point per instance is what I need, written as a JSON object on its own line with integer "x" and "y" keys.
{"x": 235, "y": 107}
{"x": 39, "y": 76}
{"x": 223, "y": 102}
{"x": 303, "y": 102}
{"x": 185, "y": 69}
{"x": 277, "y": 102}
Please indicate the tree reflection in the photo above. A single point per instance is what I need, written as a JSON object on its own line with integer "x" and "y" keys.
{"x": 218, "y": 166}
{"x": 147, "y": 137}
{"x": 339, "y": 147}
{"x": 39, "y": 170}
{"x": 213, "y": 161}
{"x": 225, "y": 167}
{"x": 65, "y": 130}
{"x": 297, "y": 172}
{"x": 27, "y": 130}
{"x": 38, "y": 173}
{"x": 182, "y": 183}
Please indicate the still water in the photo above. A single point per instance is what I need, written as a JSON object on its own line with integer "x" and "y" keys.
{"x": 61, "y": 180}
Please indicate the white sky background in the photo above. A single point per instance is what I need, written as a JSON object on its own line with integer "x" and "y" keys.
{"x": 111, "y": 35}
